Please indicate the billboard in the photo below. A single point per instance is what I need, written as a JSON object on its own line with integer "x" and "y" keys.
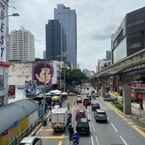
{"x": 44, "y": 73}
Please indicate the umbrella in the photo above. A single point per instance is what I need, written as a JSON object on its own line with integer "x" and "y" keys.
{"x": 57, "y": 92}
{"x": 55, "y": 98}
{"x": 64, "y": 93}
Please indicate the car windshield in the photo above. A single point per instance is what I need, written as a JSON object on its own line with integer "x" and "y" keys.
{"x": 104, "y": 113}
{"x": 83, "y": 120}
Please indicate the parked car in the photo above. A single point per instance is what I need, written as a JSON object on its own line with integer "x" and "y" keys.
{"x": 95, "y": 106}
{"x": 31, "y": 140}
{"x": 110, "y": 98}
{"x": 83, "y": 127}
{"x": 100, "y": 116}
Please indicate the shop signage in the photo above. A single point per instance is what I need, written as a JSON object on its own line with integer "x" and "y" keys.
{"x": 137, "y": 86}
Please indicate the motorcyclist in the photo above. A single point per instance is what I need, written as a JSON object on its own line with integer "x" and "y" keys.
{"x": 76, "y": 138}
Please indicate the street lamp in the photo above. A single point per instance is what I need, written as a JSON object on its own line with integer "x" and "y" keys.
{"x": 15, "y": 14}
{"x": 62, "y": 56}
{"x": 11, "y": 15}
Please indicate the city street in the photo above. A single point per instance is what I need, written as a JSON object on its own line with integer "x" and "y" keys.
{"x": 49, "y": 138}
{"x": 116, "y": 132}
{"x": 80, "y": 69}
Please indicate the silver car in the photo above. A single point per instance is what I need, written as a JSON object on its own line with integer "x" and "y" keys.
{"x": 100, "y": 116}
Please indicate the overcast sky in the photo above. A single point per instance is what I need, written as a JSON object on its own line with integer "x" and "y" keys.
{"x": 96, "y": 20}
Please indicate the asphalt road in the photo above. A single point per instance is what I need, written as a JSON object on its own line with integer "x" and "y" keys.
{"x": 50, "y": 142}
{"x": 116, "y": 132}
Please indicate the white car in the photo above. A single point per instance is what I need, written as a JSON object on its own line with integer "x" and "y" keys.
{"x": 31, "y": 140}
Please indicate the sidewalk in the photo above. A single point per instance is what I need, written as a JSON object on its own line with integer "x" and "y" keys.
{"x": 134, "y": 120}
{"x": 138, "y": 116}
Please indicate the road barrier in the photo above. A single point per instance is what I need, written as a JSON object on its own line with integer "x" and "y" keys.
{"x": 16, "y": 140}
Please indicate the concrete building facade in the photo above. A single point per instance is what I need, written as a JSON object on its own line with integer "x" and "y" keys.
{"x": 102, "y": 63}
{"x": 21, "y": 46}
{"x": 19, "y": 73}
{"x": 68, "y": 19}
{"x": 130, "y": 36}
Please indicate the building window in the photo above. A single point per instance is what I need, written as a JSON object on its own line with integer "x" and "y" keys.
{"x": 120, "y": 51}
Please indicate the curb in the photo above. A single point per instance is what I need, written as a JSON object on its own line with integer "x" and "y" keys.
{"x": 53, "y": 137}
{"x": 36, "y": 130}
{"x": 137, "y": 128}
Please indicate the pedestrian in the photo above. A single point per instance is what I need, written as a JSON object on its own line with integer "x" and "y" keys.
{"x": 71, "y": 131}
{"x": 76, "y": 138}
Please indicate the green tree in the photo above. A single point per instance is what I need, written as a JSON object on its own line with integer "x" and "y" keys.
{"x": 74, "y": 77}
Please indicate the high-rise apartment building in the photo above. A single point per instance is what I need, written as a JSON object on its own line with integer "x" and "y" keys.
{"x": 68, "y": 20}
{"x": 21, "y": 46}
{"x": 55, "y": 41}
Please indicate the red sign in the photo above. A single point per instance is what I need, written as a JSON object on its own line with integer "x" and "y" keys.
{"x": 137, "y": 86}
{"x": 11, "y": 91}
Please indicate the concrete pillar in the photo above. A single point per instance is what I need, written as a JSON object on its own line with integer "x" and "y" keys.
{"x": 127, "y": 99}
{"x": 103, "y": 90}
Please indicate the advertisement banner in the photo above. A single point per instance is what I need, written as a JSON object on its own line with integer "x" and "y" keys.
{"x": 3, "y": 30}
{"x": 44, "y": 73}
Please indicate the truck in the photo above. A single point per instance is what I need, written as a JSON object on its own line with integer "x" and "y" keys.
{"x": 59, "y": 118}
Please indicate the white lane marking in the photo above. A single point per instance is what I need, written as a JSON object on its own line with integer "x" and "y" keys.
{"x": 123, "y": 140}
{"x": 97, "y": 140}
{"x": 114, "y": 127}
{"x": 92, "y": 140}
{"x": 93, "y": 127}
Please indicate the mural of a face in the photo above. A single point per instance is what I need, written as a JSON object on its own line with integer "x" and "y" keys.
{"x": 43, "y": 73}
{"x": 45, "y": 76}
